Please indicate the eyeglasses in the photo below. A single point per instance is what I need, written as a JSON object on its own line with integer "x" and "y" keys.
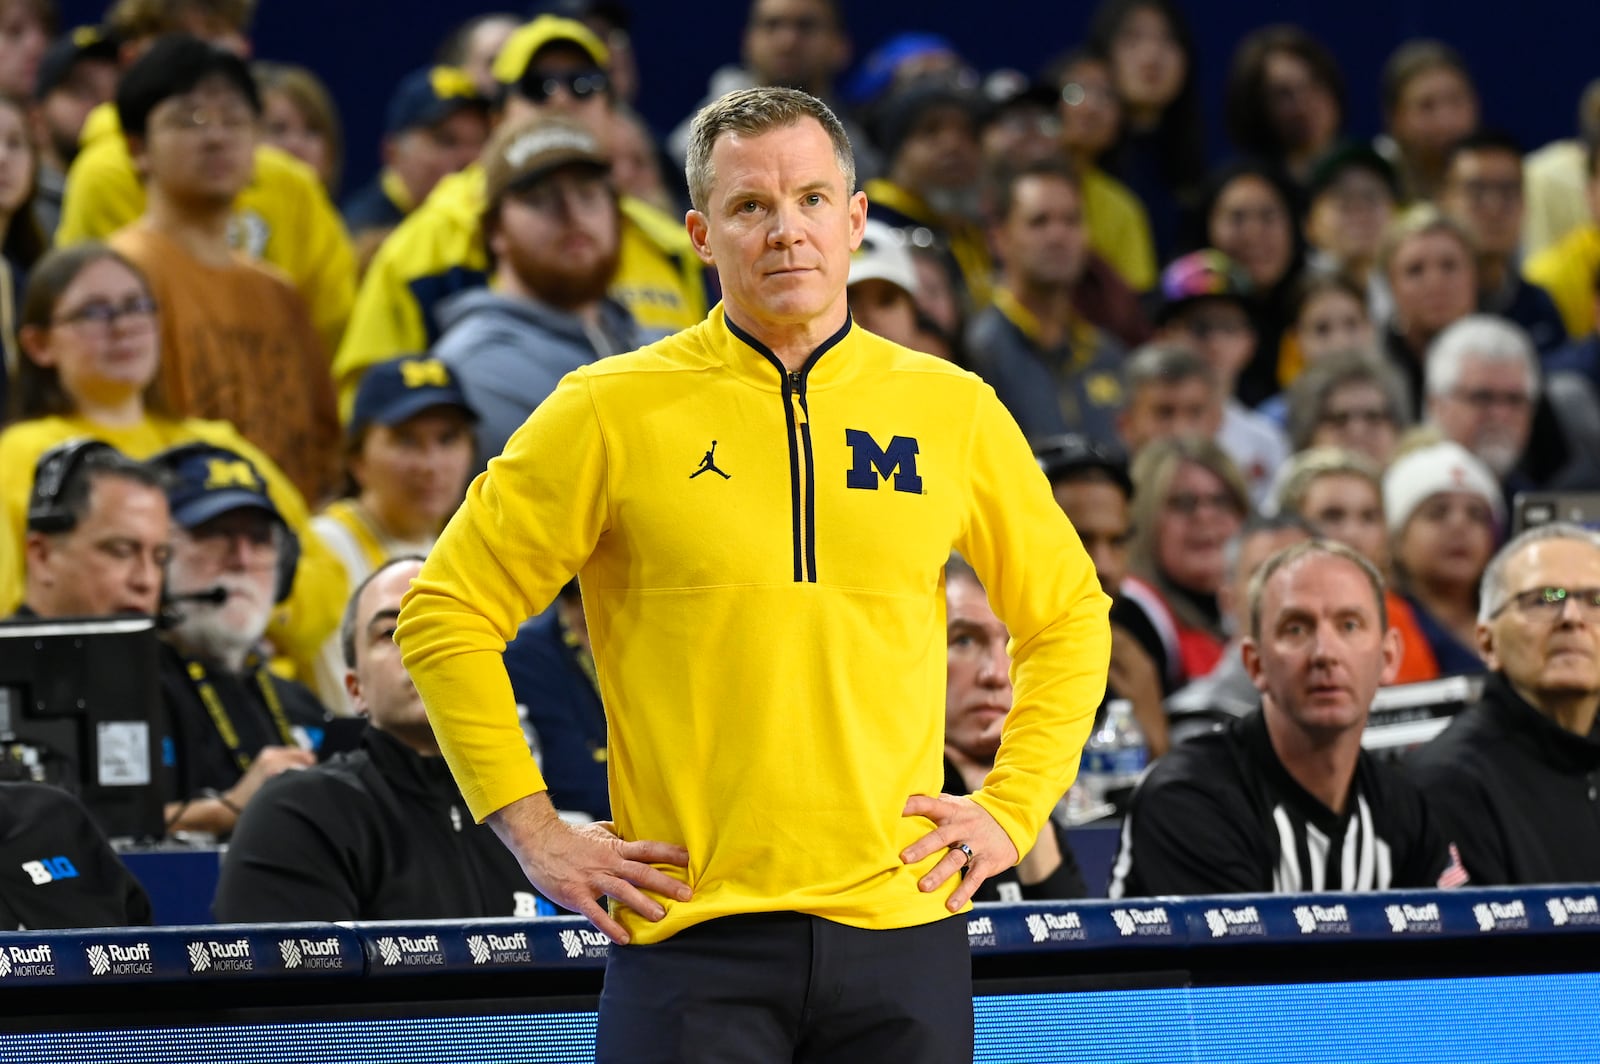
{"x": 1482, "y": 191}
{"x": 104, "y": 315}
{"x": 1371, "y": 417}
{"x": 1187, "y": 503}
{"x": 1547, "y": 603}
{"x": 579, "y": 84}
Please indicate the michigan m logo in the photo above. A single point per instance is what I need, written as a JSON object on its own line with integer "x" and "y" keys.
{"x": 424, "y": 374}
{"x": 871, "y": 463}
{"x": 226, "y": 473}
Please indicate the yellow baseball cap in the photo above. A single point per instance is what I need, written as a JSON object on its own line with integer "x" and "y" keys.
{"x": 532, "y": 37}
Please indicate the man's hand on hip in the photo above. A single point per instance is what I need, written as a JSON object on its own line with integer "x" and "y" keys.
{"x": 960, "y": 822}
{"x": 575, "y": 866}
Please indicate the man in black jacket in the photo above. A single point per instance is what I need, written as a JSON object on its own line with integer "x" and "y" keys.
{"x": 977, "y": 699}
{"x": 1516, "y": 778}
{"x": 56, "y": 869}
{"x": 378, "y": 834}
{"x": 1285, "y": 800}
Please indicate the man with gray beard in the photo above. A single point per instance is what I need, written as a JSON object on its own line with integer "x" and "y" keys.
{"x": 551, "y": 225}
{"x": 1483, "y": 392}
{"x": 234, "y": 723}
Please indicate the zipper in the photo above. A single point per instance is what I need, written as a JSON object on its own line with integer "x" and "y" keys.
{"x": 802, "y": 480}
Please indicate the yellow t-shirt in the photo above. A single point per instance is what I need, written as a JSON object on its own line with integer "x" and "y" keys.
{"x": 284, "y": 217}
{"x": 761, "y": 565}
{"x": 299, "y": 625}
{"x": 438, "y": 250}
{"x": 1567, "y": 271}
{"x": 237, "y": 346}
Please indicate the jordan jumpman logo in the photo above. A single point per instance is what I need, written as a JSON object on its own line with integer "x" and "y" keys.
{"x": 708, "y": 464}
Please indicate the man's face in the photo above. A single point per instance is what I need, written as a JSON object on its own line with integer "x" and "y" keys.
{"x": 199, "y": 147}
{"x": 88, "y": 84}
{"x": 23, "y": 40}
{"x": 941, "y": 154}
{"x": 794, "y": 43}
{"x": 1348, "y": 217}
{"x": 425, "y": 155}
{"x": 237, "y": 551}
{"x": 1484, "y": 190}
{"x": 1042, "y": 239}
{"x": 1322, "y": 653}
{"x": 560, "y": 236}
{"x": 1348, "y": 509}
{"x": 779, "y": 226}
{"x": 1547, "y": 652}
{"x": 1162, "y": 409}
{"x": 379, "y": 685}
{"x": 978, "y": 686}
{"x": 560, "y": 72}
{"x": 1489, "y": 412}
{"x": 1099, "y": 511}
{"x": 111, "y": 563}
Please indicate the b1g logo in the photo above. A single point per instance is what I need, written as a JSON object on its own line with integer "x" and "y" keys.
{"x": 870, "y": 464}
{"x": 49, "y": 870}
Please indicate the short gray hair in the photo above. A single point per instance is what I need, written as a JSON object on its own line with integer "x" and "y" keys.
{"x": 350, "y": 623}
{"x": 1326, "y": 548}
{"x": 750, "y": 113}
{"x": 1485, "y": 338}
{"x": 1492, "y": 593}
{"x": 1165, "y": 364}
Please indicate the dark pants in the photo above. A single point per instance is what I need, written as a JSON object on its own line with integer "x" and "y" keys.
{"x": 790, "y": 989}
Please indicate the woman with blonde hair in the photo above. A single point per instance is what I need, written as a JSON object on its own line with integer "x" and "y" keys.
{"x": 299, "y": 116}
{"x": 1189, "y": 500}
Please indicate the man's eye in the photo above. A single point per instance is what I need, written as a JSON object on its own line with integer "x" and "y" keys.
{"x": 813, "y": 200}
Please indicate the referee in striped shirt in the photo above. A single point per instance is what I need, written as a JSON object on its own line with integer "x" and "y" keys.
{"x": 1285, "y": 800}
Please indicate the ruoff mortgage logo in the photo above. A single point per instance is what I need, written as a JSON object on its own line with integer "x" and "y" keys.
{"x": 311, "y": 954}
{"x": 1233, "y": 923}
{"x": 1580, "y": 910}
{"x": 1055, "y": 927}
{"x": 1414, "y": 919}
{"x": 21, "y": 962}
{"x": 1142, "y": 922}
{"x": 119, "y": 960}
{"x": 980, "y": 931}
{"x": 403, "y": 949}
{"x": 499, "y": 949}
{"x": 1322, "y": 919}
{"x": 1501, "y": 915}
{"x": 214, "y": 956}
{"x": 584, "y": 943}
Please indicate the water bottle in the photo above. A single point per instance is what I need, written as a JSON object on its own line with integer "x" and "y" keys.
{"x": 1115, "y": 755}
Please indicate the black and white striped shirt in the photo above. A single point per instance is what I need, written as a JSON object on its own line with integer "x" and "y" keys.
{"x": 1221, "y": 815}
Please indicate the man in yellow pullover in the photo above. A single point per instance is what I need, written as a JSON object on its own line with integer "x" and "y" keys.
{"x": 759, "y": 510}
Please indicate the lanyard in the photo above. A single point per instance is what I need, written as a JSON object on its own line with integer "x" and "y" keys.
{"x": 220, "y": 717}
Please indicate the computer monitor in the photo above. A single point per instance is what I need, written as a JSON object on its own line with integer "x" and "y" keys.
{"x": 80, "y": 708}
{"x": 1534, "y": 508}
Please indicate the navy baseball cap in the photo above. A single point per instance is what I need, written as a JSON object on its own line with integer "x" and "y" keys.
{"x": 400, "y": 388}
{"x": 209, "y": 481}
{"x": 84, "y": 42}
{"x": 428, "y": 96}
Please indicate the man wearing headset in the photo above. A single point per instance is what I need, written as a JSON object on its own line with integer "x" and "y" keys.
{"x": 234, "y": 724}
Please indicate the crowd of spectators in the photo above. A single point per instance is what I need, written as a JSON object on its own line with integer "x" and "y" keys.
{"x": 1376, "y": 345}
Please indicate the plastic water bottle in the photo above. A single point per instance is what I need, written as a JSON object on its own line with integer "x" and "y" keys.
{"x": 1115, "y": 755}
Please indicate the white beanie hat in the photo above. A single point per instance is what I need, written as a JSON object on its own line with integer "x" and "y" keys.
{"x": 1432, "y": 470}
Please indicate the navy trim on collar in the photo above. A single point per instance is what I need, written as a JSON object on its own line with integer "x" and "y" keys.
{"x": 766, "y": 352}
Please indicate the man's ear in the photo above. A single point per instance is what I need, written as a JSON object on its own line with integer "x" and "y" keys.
{"x": 699, "y": 230}
{"x": 1486, "y": 647}
{"x": 1250, "y": 654}
{"x": 352, "y": 687}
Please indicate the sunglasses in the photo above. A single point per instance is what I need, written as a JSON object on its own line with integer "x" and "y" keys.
{"x": 579, "y": 84}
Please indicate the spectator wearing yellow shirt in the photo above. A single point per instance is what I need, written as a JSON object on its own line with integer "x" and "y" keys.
{"x": 91, "y": 343}
{"x": 283, "y": 216}
{"x": 549, "y": 66}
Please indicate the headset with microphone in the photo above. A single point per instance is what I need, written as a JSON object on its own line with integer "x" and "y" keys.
{"x": 55, "y": 476}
